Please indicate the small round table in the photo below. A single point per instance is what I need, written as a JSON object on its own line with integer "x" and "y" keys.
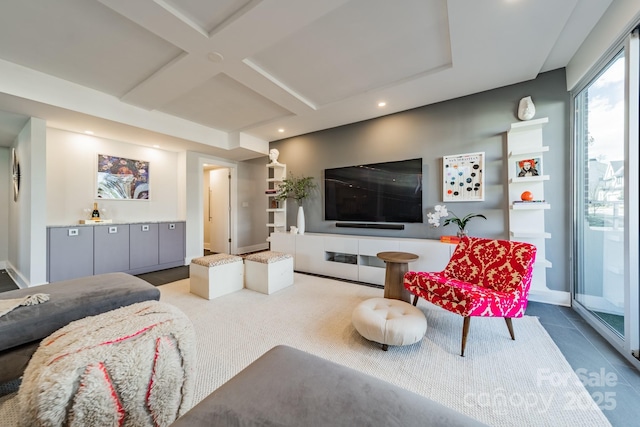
{"x": 397, "y": 265}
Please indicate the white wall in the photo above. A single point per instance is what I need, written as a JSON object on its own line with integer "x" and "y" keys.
{"x": 194, "y": 200}
{"x": 59, "y": 183}
{"x": 205, "y": 209}
{"x": 71, "y": 177}
{"x": 176, "y": 184}
{"x": 614, "y": 24}
{"x": 5, "y": 194}
{"x": 27, "y": 246}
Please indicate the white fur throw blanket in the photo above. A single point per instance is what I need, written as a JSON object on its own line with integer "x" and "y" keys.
{"x": 6, "y": 305}
{"x": 128, "y": 367}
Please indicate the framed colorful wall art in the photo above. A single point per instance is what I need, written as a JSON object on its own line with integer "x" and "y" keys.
{"x": 122, "y": 178}
{"x": 463, "y": 177}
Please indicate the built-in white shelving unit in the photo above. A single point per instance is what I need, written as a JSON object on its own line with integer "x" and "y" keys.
{"x": 276, "y": 210}
{"x": 526, "y": 219}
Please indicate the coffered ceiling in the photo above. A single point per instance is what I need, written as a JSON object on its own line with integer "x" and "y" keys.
{"x": 207, "y": 75}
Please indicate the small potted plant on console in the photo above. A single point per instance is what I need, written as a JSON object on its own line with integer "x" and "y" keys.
{"x": 442, "y": 212}
{"x": 298, "y": 188}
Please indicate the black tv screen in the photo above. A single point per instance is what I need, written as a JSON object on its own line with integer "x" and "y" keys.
{"x": 379, "y": 192}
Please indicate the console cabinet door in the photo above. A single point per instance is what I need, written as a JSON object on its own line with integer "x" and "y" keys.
{"x": 70, "y": 251}
{"x": 111, "y": 248}
{"x": 310, "y": 254}
{"x": 283, "y": 242}
{"x": 144, "y": 245}
{"x": 172, "y": 242}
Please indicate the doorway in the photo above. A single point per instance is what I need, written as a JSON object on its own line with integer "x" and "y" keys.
{"x": 606, "y": 247}
{"x": 217, "y": 209}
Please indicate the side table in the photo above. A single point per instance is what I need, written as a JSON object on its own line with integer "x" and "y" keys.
{"x": 397, "y": 265}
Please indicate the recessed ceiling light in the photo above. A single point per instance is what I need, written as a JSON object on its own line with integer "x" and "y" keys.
{"x": 381, "y": 104}
{"x": 215, "y": 57}
{"x": 280, "y": 130}
{"x": 88, "y": 132}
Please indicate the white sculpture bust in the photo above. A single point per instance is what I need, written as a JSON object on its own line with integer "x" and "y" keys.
{"x": 273, "y": 155}
{"x": 526, "y": 109}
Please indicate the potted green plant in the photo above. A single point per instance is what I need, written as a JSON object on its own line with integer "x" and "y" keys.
{"x": 442, "y": 212}
{"x": 298, "y": 188}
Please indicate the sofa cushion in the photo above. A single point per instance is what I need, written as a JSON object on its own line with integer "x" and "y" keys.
{"x": 70, "y": 300}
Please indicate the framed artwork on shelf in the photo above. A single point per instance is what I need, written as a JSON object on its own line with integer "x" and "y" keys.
{"x": 122, "y": 179}
{"x": 463, "y": 177}
{"x": 528, "y": 167}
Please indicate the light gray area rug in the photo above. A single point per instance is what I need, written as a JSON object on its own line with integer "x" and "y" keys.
{"x": 500, "y": 382}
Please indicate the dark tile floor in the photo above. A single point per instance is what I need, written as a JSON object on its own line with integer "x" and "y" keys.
{"x": 6, "y": 283}
{"x": 613, "y": 382}
{"x": 162, "y": 277}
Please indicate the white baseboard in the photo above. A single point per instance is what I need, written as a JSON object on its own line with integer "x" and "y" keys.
{"x": 549, "y": 296}
{"x": 20, "y": 280}
{"x": 253, "y": 248}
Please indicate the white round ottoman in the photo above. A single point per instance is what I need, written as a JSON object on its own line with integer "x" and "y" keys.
{"x": 389, "y": 322}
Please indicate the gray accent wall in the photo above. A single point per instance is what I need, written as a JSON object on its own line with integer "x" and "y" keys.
{"x": 470, "y": 124}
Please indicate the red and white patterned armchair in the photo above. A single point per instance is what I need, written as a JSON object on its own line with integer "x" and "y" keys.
{"x": 483, "y": 278}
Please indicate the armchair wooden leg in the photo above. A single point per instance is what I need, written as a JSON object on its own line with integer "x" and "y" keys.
{"x": 415, "y": 300}
{"x": 465, "y": 331}
{"x": 510, "y": 326}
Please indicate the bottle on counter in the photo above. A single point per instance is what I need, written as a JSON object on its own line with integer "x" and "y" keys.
{"x": 96, "y": 213}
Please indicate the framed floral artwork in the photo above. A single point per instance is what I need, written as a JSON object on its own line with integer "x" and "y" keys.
{"x": 122, "y": 178}
{"x": 463, "y": 177}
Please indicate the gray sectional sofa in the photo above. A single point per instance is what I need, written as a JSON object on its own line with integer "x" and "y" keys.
{"x": 288, "y": 387}
{"x": 283, "y": 387}
{"x": 22, "y": 329}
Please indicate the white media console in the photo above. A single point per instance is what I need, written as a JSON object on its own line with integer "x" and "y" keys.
{"x": 354, "y": 257}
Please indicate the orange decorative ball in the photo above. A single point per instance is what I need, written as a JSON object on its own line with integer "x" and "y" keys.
{"x": 526, "y": 196}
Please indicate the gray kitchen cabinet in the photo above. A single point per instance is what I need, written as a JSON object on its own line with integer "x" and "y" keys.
{"x": 70, "y": 251}
{"x": 171, "y": 242}
{"x": 111, "y": 248}
{"x": 143, "y": 240}
{"x": 85, "y": 250}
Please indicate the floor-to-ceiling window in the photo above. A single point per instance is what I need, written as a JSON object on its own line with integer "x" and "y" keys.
{"x": 606, "y": 195}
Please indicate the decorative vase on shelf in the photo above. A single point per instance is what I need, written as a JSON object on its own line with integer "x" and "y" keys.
{"x": 526, "y": 196}
{"x": 526, "y": 109}
{"x": 300, "y": 220}
{"x": 462, "y": 233}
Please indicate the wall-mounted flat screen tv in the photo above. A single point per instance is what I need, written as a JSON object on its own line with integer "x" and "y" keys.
{"x": 379, "y": 192}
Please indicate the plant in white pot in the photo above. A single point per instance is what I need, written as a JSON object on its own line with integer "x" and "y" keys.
{"x": 298, "y": 188}
{"x": 442, "y": 212}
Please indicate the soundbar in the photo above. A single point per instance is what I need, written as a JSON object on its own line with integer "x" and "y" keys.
{"x": 368, "y": 225}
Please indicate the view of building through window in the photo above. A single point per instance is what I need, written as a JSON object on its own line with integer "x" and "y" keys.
{"x": 600, "y": 114}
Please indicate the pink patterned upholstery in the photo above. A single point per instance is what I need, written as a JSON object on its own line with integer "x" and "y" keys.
{"x": 483, "y": 278}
